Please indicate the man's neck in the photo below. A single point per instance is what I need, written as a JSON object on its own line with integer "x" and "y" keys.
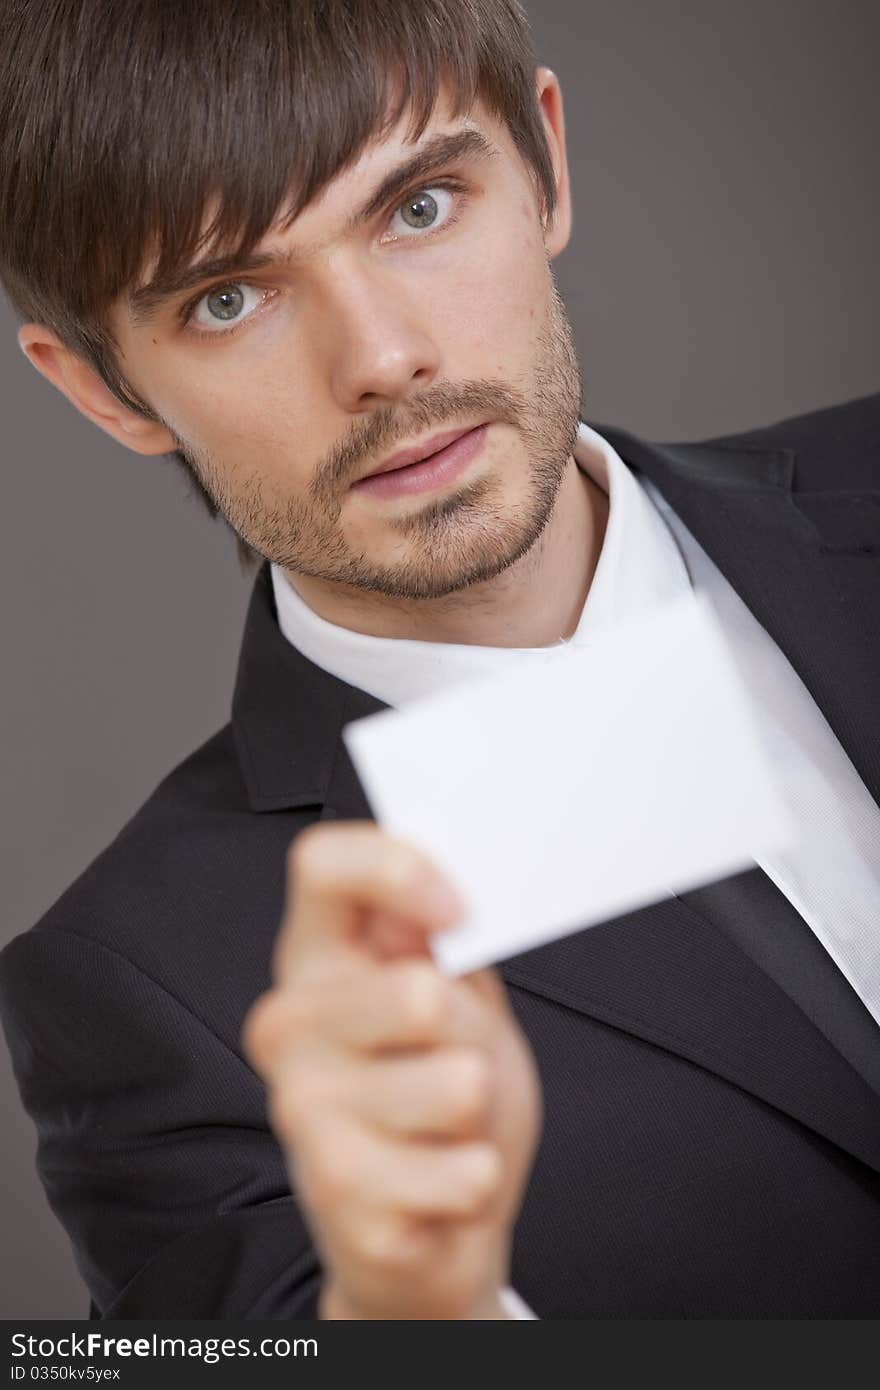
{"x": 537, "y": 602}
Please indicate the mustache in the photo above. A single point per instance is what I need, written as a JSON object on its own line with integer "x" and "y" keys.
{"x": 386, "y": 431}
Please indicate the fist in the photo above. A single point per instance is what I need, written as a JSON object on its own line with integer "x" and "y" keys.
{"x": 407, "y": 1104}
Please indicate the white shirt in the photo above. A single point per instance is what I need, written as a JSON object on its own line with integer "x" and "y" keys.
{"x": 831, "y": 874}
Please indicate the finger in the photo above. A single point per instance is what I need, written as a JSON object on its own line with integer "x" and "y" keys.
{"x": 402, "y": 1266}
{"x": 405, "y": 1004}
{"x": 488, "y": 985}
{"x": 444, "y": 1093}
{"x": 393, "y": 938}
{"x": 399, "y": 1005}
{"x": 349, "y": 1172}
{"x": 337, "y": 873}
{"x": 442, "y": 1180}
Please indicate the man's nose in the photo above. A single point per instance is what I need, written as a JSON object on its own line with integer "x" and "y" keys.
{"x": 377, "y": 340}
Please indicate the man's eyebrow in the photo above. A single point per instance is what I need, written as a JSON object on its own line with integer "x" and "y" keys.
{"x": 146, "y": 301}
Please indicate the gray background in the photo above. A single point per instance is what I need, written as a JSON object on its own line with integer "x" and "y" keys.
{"x": 722, "y": 274}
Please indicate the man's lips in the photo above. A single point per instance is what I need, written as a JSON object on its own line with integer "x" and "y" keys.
{"x": 416, "y": 453}
{"x": 427, "y": 474}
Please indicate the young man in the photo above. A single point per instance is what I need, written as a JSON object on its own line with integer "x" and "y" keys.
{"x": 255, "y": 1095}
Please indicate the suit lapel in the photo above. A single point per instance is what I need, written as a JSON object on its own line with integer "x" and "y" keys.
{"x": 756, "y": 916}
{"x": 668, "y": 976}
{"x": 772, "y": 543}
{"x": 664, "y": 974}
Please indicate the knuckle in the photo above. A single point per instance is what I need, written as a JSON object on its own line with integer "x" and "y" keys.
{"x": 278, "y": 1019}
{"x": 468, "y": 1087}
{"x": 380, "y": 1245}
{"x": 421, "y": 998}
{"x": 480, "y": 1177}
{"x": 310, "y": 854}
{"x": 284, "y": 1107}
{"x": 255, "y": 1029}
{"x": 305, "y": 1090}
{"x": 302, "y": 1014}
{"x": 401, "y": 871}
{"x": 299, "y": 849}
{"x": 310, "y": 1083}
{"x": 333, "y": 1173}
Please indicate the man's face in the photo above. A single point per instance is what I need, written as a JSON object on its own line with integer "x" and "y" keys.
{"x": 439, "y": 312}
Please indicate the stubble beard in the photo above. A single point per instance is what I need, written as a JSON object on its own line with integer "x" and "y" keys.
{"x": 454, "y": 540}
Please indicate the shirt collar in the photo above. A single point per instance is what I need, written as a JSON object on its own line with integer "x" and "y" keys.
{"x": 640, "y": 564}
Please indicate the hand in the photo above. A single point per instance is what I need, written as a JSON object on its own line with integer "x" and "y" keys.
{"x": 407, "y": 1103}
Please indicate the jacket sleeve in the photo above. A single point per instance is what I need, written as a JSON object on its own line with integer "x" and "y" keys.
{"x": 153, "y": 1145}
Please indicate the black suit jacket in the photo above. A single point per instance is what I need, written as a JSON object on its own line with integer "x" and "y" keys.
{"x": 711, "y": 1144}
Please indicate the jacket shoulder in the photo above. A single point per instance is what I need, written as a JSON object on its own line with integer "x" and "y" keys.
{"x": 190, "y": 894}
{"x": 119, "y": 885}
{"x": 837, "y": 446}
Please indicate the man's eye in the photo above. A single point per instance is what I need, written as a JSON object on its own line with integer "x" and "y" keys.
{"x": 424, "y": 211}
{"x": 427, "y": 209}
{"x": 223, "y": 304}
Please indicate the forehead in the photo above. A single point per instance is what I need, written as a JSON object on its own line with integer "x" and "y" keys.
{"x": 371, "y": 169}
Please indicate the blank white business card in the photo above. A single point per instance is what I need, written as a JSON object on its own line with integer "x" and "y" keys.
{"x": 558, "y": 797}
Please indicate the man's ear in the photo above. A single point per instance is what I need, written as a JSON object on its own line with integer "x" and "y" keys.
{"x": 557, "y": 232}
{"x": 76, "y": 380}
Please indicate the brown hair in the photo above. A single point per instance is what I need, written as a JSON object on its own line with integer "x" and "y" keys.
{"x": 120, "y": 121}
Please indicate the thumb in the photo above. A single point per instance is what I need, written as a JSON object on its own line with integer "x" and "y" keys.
{"x": 490, "y": 987}
{"x": 392, "y": 936}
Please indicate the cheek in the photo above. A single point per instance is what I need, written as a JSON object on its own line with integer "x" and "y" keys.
{"x": 238, "y": 407}
{"x": 494, "y": 300}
